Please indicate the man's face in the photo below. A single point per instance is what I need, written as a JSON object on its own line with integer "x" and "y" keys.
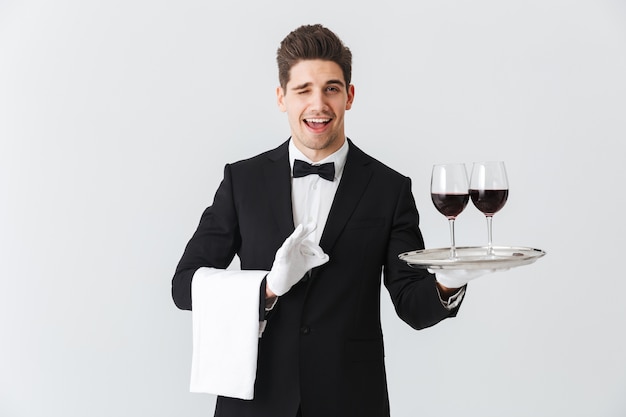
{"x": 315, "y": 100}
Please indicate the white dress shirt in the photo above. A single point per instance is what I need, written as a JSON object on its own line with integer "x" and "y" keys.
{"x": 312, "y": 196}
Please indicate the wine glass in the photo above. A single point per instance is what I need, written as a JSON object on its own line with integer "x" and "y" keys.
{"x": 489, "y": 190}
{"x": 450, "y": 195}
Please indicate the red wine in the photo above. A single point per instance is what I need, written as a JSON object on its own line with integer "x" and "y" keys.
{"x": 489, "y": 201}
{"x": 450, "y": 205}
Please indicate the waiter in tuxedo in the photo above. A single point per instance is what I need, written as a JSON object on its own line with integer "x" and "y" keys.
{"x": 327, "y": 221}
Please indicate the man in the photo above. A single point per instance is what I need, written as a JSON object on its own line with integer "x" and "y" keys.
{"x": 321, "y": 352}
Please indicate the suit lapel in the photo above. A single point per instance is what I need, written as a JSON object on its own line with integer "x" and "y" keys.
{"x": 356, "y": 175}
{"x": 279, "y": 191}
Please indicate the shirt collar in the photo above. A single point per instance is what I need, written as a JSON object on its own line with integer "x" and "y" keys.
{"x": 338, "y": 157}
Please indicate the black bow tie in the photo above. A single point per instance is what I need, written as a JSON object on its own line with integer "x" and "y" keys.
{"x": 302, "y": 169}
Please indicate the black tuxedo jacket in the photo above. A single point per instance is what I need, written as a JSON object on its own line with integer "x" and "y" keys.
{"x": 323, "y": 345}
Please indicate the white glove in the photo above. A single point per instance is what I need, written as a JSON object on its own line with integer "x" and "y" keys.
{"x": 294, "y": 259}
{"x": 456, "y": 278}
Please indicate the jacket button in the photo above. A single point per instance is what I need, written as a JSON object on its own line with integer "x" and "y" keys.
{"x": 305, "y": 330}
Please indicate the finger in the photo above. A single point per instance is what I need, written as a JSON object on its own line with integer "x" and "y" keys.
{"x": 301, "y": 232}
{"x": 307, "y": 229}
{"x": 297, "y": 231}
{"x": 309, "y": 248}
{"x": 321, "y": 261}
{"x": 295, "y": 237}
{"x": 288, "y": 244}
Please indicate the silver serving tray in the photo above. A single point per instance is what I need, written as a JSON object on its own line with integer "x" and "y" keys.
{"x": 472, "y": 257}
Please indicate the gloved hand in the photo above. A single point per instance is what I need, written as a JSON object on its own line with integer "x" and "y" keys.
{"x": 456, "y": 278}
{"x": 293, "y": 259}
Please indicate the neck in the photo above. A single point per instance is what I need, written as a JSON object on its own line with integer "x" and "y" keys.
{"x": 316, "y": 155}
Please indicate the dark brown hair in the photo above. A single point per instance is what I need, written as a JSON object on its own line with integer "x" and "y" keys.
{"x": 312, "y": 42}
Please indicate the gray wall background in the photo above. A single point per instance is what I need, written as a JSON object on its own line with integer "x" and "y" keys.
{"x": 117, "y": 117}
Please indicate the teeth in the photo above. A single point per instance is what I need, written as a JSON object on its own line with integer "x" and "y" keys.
{"x": 317, "y": 120}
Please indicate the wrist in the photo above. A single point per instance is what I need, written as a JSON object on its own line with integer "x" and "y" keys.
{"x": 269, "y": 294}
{"x": 270, "y": 299}
{"x": 450, "y": 297}
{"x": 446, "y": 291}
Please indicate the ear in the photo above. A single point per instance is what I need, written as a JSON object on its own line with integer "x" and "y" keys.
{"x": 280, "y": 99}
{"x": 350, "y": 97}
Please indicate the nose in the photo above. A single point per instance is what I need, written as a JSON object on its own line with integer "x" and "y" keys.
{"x": 317, "y": 101}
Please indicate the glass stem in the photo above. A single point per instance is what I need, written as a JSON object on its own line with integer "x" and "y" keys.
{"x": 489, "y": 235}
{"x": 452, "y": 242}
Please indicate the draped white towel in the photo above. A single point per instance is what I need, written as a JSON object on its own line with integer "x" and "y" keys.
{"x": 226, "y": 333}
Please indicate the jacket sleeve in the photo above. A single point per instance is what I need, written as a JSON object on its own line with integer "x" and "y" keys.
{"x": 413, "y": 291}
{"x": 214, "y": 243}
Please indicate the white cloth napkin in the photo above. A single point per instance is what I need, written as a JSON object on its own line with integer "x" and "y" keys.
{"x": 225, "y": 315}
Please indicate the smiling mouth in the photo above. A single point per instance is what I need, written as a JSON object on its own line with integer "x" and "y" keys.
{"x": 317, "y": 123}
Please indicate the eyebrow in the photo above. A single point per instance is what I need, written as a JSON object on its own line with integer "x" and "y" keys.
{"x": 308, "y": 84}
